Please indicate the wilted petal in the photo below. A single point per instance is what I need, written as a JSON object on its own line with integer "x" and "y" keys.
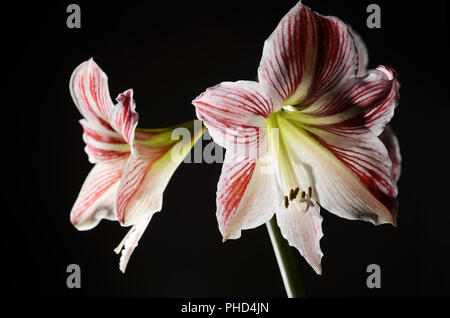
{"x": 307, "y": 55}
{"x": 247, "y": 195}
{"x": 97, "y": 195}
{"x": 303, "y": 230}
{"x": 90, "y": 93}
{"x": 148, "y": 171}
{"x": 235, "y": 112}
{"x": 123, "y": 117}
{"x": 390, "y": 141}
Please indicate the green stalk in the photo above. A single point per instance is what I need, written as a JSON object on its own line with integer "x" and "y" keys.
{"x": 286, "y": 262}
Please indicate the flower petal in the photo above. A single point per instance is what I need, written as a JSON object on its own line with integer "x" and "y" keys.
{"x": 390, "y": 141}
{"x": 149, "y": 169}
{"x": 363, "y": 55}
{"x": 97, "y": 195}
{"x": 123, "y": 117}
{"x": 90, "y": 93}
{"x": 235, "y": 112}
{"x": 303, "y": 230}
{"x": 364, "y": 101}
{"x": 350, "y": 172}
{"x": 102, "y": 145}
{"x": 307, "y": 55}
{"x": 247, "y": 195}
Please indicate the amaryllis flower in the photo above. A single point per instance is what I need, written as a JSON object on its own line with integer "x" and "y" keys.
{"x": 313, "y": 118}
{"x": 132, "y": 166}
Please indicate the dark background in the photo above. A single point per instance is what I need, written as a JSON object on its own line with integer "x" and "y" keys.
{"x": 170, "y": 52}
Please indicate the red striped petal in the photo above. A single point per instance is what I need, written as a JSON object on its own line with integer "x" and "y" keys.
{"x": 390, "y": 141}
{"x": 303, "y": 230}
{"x": 307, "y": 55}
{"x": 235, "y": 112}
{"x": 351, "y": 171}
{"x": 247, "y": 195}
{"x": 364, "y": 101}
{"x": 123, "y": 117}
{"x": 149, "y": 169}
{"x": 90, "y": 93}
{"x": 97, "y": 195}
{"x": 363, "y": 55}
{"x": 103, "y": 146}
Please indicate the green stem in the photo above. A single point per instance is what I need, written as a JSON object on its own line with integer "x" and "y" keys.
{"x": 286, "y": 262}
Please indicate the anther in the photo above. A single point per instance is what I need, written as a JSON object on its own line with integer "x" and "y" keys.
{"x": 296, "y": 192}
{"x": 286, "y": 201}
{"x": 309, "y": 192}
{"x": 291, "y": 195}
{"x": 303, "y": 195}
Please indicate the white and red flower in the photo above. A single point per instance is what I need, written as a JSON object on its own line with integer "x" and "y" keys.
{"x": 132, "y": 166}
{"x": 328, "y": 112}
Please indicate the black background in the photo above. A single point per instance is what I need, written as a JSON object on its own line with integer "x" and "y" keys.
{"x": 170, "y": 52}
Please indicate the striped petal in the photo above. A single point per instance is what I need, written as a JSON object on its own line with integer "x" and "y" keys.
{"x": 235, "y": 112}
{"x": 364, "y": 101}
{"x": 363, "y": 55}
{"x": 307, "y": 55}
{"x": 90, "y": 93}
{"x": 123, "y": 117}
{"x": 391, "y": 143}
{"x": 303, "y": 230}
{"x": 247, "y": 195}
{"x": 149, "y": 169}
{"x": 97, "y": 195}
{"x": 350, "y": 171}
{"x": 103, "y": 146}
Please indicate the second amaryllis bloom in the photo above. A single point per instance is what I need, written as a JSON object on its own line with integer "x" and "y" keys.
{"x": 305, "y": 135}
{"x": 132, "y": 166}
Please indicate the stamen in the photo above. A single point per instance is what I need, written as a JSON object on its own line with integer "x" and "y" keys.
{"x": 119, "y": 247}
{"x": 307, "y": 199}
{"x": 296, "y": 192}
{"x": 291, "y": 195}
{"x": 286, "y": 202}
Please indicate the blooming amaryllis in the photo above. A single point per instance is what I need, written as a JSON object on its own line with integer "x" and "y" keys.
{"x": 314, "y": 117}
{"x": 132, "y": 166}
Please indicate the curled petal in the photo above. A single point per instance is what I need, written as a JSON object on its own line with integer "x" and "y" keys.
{"x": 378, "y": 116}
{"x": 364, "y": 101}
{"x": 390, "y": 141}
{"x": 247, "y": 195}
{"x": 123, "y": 117}
{"x": 155, "y": 158}
{"x": 103, "y": 146}
{"x": 97, "y": 195}
{"x": 90, "y": 93}
{"x": 363, "y": 55}
{"x": 303, "y": 230}
{"x": 235, "y": 112}
{"x": 307, "y": 55}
